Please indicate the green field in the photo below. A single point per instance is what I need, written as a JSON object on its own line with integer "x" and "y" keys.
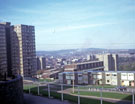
{"x": 46, "y": 80}
{"x": 107, "y": 95}
{"x": 121, "y": 96}
{"x": 95, "y": 86}
{"x": 57, "y": 95}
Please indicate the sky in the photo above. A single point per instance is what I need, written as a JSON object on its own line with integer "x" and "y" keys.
{"x": 69, "y": 24}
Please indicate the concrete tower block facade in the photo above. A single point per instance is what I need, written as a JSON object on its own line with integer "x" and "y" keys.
{"x": 3, "y": 50}
{"x": 17, "y": 48}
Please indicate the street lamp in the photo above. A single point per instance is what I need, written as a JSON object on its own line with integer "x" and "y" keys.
{"x": 73, "y": 89}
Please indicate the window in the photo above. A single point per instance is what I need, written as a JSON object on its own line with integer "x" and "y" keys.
{"x": 107, "y": 74}
{"x": 108, "y": 81}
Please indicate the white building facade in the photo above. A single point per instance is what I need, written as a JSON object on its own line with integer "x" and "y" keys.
{"x": 115, "y": 78}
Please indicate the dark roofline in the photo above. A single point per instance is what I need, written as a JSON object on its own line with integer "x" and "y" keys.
{"x": 100, "y": 71}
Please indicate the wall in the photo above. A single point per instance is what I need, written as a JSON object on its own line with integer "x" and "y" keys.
{"x": 11, "y": 92}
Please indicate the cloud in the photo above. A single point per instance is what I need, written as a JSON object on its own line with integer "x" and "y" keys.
{"x": 67, "y": 28}
{"x": 28, "y": 11}
{"x": 43, "y": 30}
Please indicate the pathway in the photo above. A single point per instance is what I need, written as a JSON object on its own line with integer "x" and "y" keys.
{"x": 31, "y": 99}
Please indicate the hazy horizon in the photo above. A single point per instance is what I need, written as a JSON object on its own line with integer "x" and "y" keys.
{"x": 83, "y": 49}
{"x": 72, "y": 24}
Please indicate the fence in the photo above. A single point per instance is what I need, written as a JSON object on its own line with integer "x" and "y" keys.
{"x": 79, "y": 93}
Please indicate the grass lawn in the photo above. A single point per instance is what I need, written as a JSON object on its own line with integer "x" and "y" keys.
{"x": 95, "y": 86}
{"x": 46, "y": 80}
{"x": 57, "y": 95}
{"x": 88, "y": 93}
{"x": 107, "y": 95}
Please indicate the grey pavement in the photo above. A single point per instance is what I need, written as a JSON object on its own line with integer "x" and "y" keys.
{"x": 31, "y": 99}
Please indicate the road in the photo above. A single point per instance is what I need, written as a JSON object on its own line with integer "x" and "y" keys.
{"x": 31, "y": 99}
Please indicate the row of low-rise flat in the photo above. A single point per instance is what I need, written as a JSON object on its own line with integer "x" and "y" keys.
{"x": 116, "y": 78}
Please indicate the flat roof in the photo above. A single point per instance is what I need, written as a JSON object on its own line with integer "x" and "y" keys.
{"x": 84, "y": 63}
{"x": 24, "y": 25}
{"x": 99, "y": 71}
{"x": 89, "y": 62}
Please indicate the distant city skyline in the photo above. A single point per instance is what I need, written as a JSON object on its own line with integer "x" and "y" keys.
{"x": 69, "y": 24}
